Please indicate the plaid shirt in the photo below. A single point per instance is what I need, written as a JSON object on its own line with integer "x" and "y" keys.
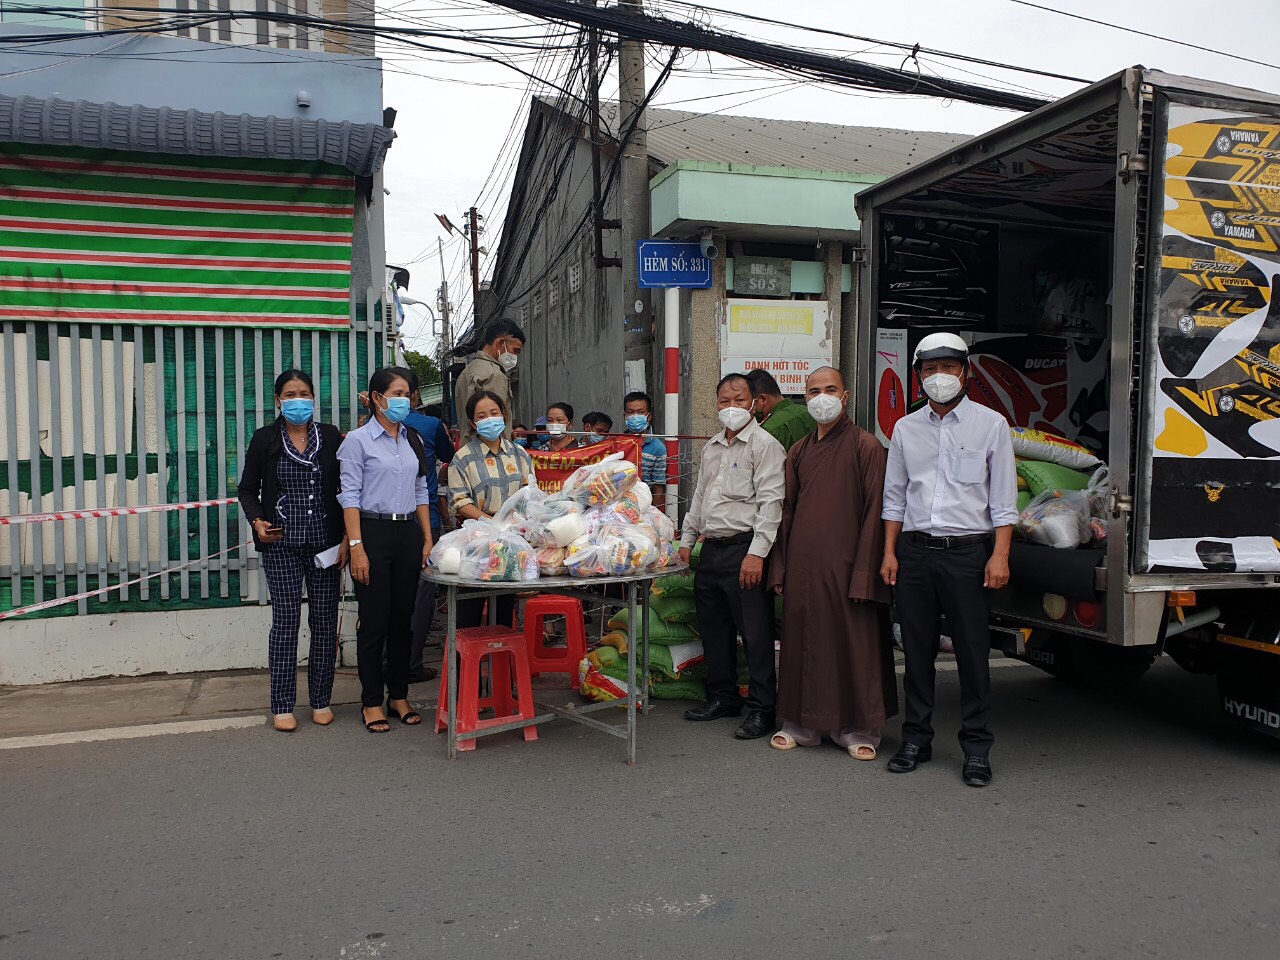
{"x": 482, "y": 479}
{"x": 300, "y": 508}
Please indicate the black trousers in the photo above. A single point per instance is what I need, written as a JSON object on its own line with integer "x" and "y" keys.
{"x": 394, "y": 549}
{"x": 726, "y": 611}
{"x": 471, "y": 612}
{"x": 424, "y": 613}
{"x": 932, "y": 583}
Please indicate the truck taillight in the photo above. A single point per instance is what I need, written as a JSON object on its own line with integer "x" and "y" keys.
{"x": 1182, "y": 598}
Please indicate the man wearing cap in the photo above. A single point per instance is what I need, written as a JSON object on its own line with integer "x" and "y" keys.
{"x": 950, "y": 493}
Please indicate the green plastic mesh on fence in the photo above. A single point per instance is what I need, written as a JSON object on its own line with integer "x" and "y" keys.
{"x": 195, "y": 384}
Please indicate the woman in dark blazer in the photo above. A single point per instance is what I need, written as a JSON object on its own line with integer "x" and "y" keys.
{"x": 289, "y": 494}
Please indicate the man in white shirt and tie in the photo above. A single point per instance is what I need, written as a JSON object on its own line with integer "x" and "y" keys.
{"x": 950, "y": 495}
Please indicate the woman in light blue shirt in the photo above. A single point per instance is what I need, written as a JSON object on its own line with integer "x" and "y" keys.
{"x": 386, "y": 508}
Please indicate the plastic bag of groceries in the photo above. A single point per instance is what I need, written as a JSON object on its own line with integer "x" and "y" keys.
{"x": 625, "y": 509}
{"x": 585, "y": 558}
{"x": 554, "y": 521}
{"x": 603, "y": 482}
{"x": 516, "y": 508}
{"x": 446, "y": 555}
{"x": 1099, "y": 490}
{"x": 505, "y": 557}
{"x": 643, "y": 495}
{"x": 612, "y": 550}
{"x": 668, "y": 553}
{"x": 665, "y": 526}
{"x": 628, "y": 548}
{"x": 550, "y": 560}
{"x": 1057, "y": 518}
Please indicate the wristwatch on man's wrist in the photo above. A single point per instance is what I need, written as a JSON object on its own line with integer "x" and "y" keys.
{"x": 354, "y": 543}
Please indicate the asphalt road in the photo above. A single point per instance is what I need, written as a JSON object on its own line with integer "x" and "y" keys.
{"x": 1142, "y": 826}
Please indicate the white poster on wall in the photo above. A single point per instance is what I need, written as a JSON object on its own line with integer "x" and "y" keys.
{"x": 891, "y": 383}
{"x": 789, "y": 338}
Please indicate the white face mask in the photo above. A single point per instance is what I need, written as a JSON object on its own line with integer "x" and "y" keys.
{"x": 825, "y": 408}
{"x": 734, "y": 418}
{"x": 941, "y": 387}
{"x": 557, "y": 429}
{"x": 508, "y": 361}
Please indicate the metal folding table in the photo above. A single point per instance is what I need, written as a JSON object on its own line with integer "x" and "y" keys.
{"x": 637, "y": 605}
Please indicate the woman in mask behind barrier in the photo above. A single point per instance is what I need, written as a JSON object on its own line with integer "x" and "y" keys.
{"x": 483, "y": 474}
{"x": 387, "y": 510}
{"x": 559, "y": 424}
{"x": 288, "y": 494}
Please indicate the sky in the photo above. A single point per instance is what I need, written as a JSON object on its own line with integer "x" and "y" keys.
{"x": 455, "y": 113}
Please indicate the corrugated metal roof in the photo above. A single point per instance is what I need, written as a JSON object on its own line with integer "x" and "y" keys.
{"x": 359, "y": 147}
{"x": 679, "y": 135}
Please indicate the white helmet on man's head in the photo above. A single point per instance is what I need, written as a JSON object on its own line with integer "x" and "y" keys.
{"x": 940, "y": 346}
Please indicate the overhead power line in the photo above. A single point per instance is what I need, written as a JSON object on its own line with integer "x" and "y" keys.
{"x": 1143, "y": 33}
{"x": 916, "y": 48}
{"x": 800, "y": 63}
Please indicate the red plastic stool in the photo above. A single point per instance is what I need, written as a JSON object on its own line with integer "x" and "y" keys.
{"x": 504, "y": 650}
{"x": 544, "y": 659}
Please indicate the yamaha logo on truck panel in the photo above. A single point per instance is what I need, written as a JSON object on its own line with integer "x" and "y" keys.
{"x": 1223, "y": 227}
{"x": 1228, "y": 139}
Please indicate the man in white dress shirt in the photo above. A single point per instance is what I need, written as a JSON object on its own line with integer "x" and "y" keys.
{"x": 950, "y": 494}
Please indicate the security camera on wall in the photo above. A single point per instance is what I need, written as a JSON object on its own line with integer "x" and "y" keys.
{"x": 707, "y": 245}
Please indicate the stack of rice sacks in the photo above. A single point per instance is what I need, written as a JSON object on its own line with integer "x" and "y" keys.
{"x": 676, "y": 667}
{"x": 1052, "y": 468}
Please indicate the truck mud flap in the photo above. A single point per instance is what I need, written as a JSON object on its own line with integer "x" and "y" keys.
{"x": 1247, "y": 654}
{"x": 1249, "y": 685}
{"x": 1040, "y": 648}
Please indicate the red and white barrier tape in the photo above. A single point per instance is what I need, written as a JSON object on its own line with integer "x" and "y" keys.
{"x": 111, "y": 512}
{"x": 59, "y": 601}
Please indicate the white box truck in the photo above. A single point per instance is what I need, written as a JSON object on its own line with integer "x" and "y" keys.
{"x": 1113, "y": 259}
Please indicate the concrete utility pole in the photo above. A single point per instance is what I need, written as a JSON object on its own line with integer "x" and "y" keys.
{"x": 597, "y": 139}
{"x": 446, "y": 338}
{"x": 446, "y": 334}
{"x": 634, "y": 183}
{"x": 474, "y": 231}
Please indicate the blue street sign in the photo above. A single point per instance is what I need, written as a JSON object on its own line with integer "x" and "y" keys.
{"x": 672, "y": 263}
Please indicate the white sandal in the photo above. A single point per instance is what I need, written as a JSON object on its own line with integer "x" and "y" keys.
{"x": 788, "y": 741}
{"x": 854, "y": 748}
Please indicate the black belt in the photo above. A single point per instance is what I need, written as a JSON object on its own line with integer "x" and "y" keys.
{"x": 945, "y": 543}
{"x": 398, "y": 517}
{"x": 733, "y": 541}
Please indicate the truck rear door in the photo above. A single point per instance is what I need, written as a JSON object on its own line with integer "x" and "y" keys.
{"x": 1208, "y": 453}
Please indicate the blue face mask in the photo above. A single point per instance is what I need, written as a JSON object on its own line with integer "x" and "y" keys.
{"x": 298, "y": 410}
{"x": 637, "y": 423}
{"x": 397, "y": 409}
{"x": 490, "y": 428}
{"x": 522, "y": 441}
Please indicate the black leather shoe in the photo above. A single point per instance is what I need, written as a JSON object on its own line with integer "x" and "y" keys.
{"x": 759, "y": 723}
{"x": 424, "y": 675}
{"x": 714, "y": 710}
{"x": 976, "y": 771}
{"x": 908, "y": 757}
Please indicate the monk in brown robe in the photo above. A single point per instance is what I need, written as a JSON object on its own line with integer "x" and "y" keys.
{"x": 836, "y": 676}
